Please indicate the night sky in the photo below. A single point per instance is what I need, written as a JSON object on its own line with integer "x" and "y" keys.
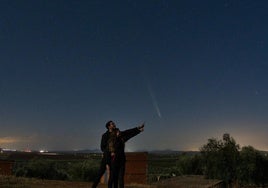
{"x": 191, "y": 70}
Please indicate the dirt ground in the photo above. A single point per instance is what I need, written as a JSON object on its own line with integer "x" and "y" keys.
{"x": 18, "y": 182}
{"x": 188, "y": 181}
{"x": 176, "y": 182}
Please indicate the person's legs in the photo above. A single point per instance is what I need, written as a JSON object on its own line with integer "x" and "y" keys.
{"x": 100, "y": 173}
{"x": 116, "y": 176}
{"x": 111, "y": 175}
{"x": 113, "y": 178}
{"x": 121, "y": 174}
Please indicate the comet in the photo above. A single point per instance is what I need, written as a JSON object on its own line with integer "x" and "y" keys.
{"x": 154, "y": 101}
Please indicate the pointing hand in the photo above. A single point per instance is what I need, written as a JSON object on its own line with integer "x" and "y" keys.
{"x": 141, "y": 128}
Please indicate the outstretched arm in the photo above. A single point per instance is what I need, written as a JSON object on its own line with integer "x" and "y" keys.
{"x": 128, "y": 134}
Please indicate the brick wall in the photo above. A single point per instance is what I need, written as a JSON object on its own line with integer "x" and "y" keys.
{"x": 136, "y": 168}
{"x": 6, "y": 167}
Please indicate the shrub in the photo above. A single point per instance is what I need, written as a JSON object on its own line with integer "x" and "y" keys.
{"x": 58, "y": 170}
{"x": 83, "y": 171}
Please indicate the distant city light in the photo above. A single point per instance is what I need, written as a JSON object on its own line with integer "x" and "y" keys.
{"x": 43, "y": 151}
{"x": 6, "y": 149}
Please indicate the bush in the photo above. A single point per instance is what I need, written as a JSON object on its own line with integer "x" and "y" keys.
{"x": 83, "y": 171}
{"x": 58, "y": 170}
{"x": 41, "y": 168}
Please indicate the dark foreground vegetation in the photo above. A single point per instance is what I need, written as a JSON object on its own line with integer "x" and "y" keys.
{"x": 222, "y": 159}
{"x": 81, "y": 167}
{"x": 218, "y": 159}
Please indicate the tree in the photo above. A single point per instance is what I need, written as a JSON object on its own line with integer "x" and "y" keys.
{"x": 230, "y": 160}
{"x": 253, "y": 167}
{"x": 188, "y": 164}
{"x": 210, "y": 154}
{"x": 220, "y": 159}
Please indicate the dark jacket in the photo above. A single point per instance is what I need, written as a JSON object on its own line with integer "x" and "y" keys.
{"x": 104, "y": 141}
{"x": 121, "y": 140}
{"x": 104, "y": 146}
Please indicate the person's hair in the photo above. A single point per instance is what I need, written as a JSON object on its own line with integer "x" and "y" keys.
{"x": 108, "y": 124}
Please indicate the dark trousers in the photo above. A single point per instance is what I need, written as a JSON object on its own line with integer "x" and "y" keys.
{"x": 121, "y": 174}
{"x": 113, "y": 178}
{"x": 101, "y": 171}
{"x": 117, "y": 173}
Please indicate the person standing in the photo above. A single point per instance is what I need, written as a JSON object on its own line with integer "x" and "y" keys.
{"x": 116, "y": 146}
{"x": 106, "y": 156}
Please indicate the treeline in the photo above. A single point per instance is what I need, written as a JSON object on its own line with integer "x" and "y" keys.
{"x": 225, "y": 160}
{"x": 221, "y": 159}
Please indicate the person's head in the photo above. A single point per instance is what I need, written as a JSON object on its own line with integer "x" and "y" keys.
{"x": 110, "y": 125}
